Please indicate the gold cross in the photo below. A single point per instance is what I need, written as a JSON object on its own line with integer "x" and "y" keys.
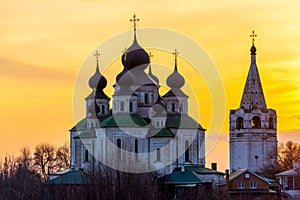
{"x": 253, "y": 35}
{"x": 150, "y": 55}
{"x": 175, "y": 53}
{"x": 97, "y": 54}
{"x": 134, "y": 20}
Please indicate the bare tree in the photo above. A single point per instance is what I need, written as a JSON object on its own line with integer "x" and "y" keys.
{"x": 288, "y": 153}
{"x": 63, "y": 156}
{"x": 45, "y": 159}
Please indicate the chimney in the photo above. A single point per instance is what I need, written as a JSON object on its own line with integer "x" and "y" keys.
{"x": 214, "y": 166}
{"x": 227, "y": 176}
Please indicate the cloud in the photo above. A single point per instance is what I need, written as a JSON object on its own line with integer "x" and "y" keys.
{"x": 17, "y": 70}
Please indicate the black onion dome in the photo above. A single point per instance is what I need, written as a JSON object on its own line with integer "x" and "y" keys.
{"x": 175, "y": 80}
{"x": 153, "y": 76}
{"x": 135, "y": 56}
{"x": 97, "y": 81}
{"x": 253, "y": 50}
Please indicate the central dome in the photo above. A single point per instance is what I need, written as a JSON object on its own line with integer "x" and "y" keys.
{"x": 135, "y": 56}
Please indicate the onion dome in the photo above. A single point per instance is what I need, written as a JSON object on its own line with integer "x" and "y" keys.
{"x": 135, "y": 55}
{"x": 97, "y": 81}
{"x": 121, "y": 74}
{"x": 175, "y": 80}
{"x": 153, "y": 76}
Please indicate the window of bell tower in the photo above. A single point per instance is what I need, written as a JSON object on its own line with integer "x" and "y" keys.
{"x": 271, "y": 123}
{"x": 239, "y": 123}
{"x": 256, "y": 122}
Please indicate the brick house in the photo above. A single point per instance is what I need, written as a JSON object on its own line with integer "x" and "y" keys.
{"x": 244, "y": 184}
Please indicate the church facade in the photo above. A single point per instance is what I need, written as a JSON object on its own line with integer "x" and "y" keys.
{"x": 142, "y": 130}
{"x": 253, "y": 126}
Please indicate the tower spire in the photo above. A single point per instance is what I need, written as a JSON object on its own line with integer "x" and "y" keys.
{"x": 134, "y": 20}
{"x": 253, "y": 96}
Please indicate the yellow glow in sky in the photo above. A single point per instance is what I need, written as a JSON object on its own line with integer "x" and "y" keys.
{"x": 43, "y": 44}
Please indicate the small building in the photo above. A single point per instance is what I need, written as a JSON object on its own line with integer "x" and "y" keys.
{"x": 244, "y": 184}
{"x": 68, "y": 184}
{"x": 290, "y": 182}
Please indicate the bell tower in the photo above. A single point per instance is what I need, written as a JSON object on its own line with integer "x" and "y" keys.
{"x": 253, "y": 127}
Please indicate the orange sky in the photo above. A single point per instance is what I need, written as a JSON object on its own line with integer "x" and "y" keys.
{"x": 44, "y": 43}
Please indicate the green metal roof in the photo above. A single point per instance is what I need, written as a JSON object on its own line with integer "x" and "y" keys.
{"x": 182, "y": 121}
{"x": 70, "y": 177}
{"x": 160, "y": 133}
{"x": 82, "y": 125}
{"x": 180, "y": 178}
{"x": 90, "y": 133}
{"x": 122, "y": 120}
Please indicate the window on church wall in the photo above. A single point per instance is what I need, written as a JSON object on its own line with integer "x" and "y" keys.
{"x": 146, "y": 98}
{"x": 187, "y": 151}
{"x": 86, "y": 155}
{"x": 136, "y": 148}
{"x": 271, "y": 123}
{"x": 121, "y": 106}
{"x": 157, "y": 124}
{"x": 256, "y": 122}
{"x": 103, "y": 109}
{"x": 239, "y": 123}
{"x": 173, "y": 107}
{"x": 130, "y": 106}
{"x": 119, "y": 144}
{"x": 158, "y": 156}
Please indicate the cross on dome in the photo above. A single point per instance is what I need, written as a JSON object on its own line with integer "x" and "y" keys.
{"x": 134, "y": 20}
{"x": 97, "y": 55}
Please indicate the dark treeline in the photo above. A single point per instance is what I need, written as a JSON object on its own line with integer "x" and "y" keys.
{"x": 23, "y": 177}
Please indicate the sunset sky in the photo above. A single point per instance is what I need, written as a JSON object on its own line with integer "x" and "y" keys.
{"x": 44, "y": 43}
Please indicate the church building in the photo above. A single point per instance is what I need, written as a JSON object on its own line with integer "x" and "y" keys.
{"x": 253, "y": 126}
{"x": 141, "y": 130}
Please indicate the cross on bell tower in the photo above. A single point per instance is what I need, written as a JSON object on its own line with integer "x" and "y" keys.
{"x": 253, "y": 35}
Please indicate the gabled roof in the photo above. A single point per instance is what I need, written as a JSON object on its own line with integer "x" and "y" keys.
{"x": 240, "y": 172}
{"x": 290, "y": 172}
{"x": 181, "y": 178}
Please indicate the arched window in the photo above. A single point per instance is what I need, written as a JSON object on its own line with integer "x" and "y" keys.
{"x": 103, "y": 109}
{"x": 136, "y": 148}
{"x": 239, "y": 123}
{"x": 271, "y": 123}
{"x": 173, "y": 107}
{"x": 86, "y": 155}
{"x": 256, "y": 122}
{"x": 146, "y": 98}
{"x": 187, "y": 151}
{"x": 158, "y": 154}
{"x": 121, "y": 106}
{"x": 130, "y": 106}
{"x": 119, "y": 144}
